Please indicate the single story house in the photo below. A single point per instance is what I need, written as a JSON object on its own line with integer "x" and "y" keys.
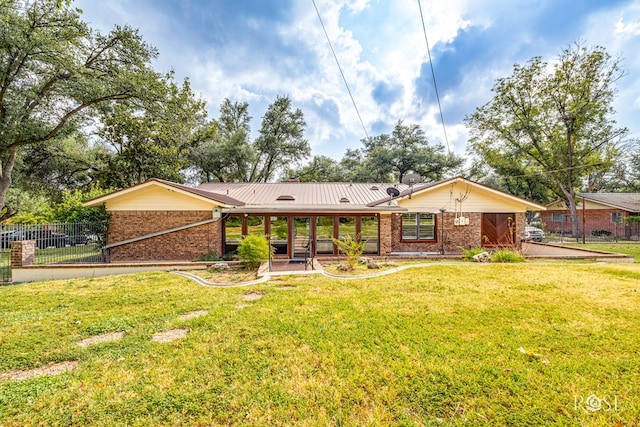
{"x": 599, "y": 214}
{"x": 161, "y": 220}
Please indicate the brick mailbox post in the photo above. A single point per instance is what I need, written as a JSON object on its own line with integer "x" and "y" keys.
{"x": 23, "y": 253}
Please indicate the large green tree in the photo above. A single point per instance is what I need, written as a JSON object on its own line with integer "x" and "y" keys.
{"x": 54, "y": 69}
{"x": 224, "y": 153}
{"x": 319, "y": 169}
{"x": 552, "y": 121}
{"x": 390, "y": 157}
{"x": 281, "y": 141}
{"x": 151, "y": 138}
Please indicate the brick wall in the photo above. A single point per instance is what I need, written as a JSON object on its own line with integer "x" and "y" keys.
{"x": 597, "y": 220}
{"x": 184, "y": 245}
{"x": 23, "y": 253}
{"x": 385, "y": 234}
{"x": 455, "y": 236}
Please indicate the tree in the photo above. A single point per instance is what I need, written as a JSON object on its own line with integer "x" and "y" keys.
{"x": 67, "y": 163}
{"x": 553, "y": 120}
{"x": 319, "y": 169}
{"x": 281, "y": 141}
{"x": 151, "y": 138}
{"x": 224, "y": 153}
{"x": 389, "y": 157}
{"x": 54, "y": 69}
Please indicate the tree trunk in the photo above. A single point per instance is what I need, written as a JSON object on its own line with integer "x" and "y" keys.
{"x": 5, "y": 174}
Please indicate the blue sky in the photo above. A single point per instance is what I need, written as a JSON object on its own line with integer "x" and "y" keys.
{"x": 254, "y": 50}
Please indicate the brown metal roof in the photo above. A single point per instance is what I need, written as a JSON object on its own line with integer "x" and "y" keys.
{"x": 625, "y": 201}
{"x": 309, "y": 194}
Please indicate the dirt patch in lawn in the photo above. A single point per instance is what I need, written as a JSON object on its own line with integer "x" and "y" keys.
{"x": 170, "y": 335}
{"x": 193, "y": 314}
{"x": 98, "y": 339}
{"x": 253, "y": 296}
{"x": 224, "y": 276}
{"x": 53, "y": 368}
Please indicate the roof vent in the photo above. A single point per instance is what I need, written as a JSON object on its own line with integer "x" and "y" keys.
{"x": 344, "y": 200}
{"x": 374, "y": 188}
{"x": 285, "y": 197}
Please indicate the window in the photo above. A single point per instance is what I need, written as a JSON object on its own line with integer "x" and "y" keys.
{"x": 255, "y": 225}
{"x": 232, "y": 234}
{"x": 369, "y": 234}
{"x": 347, "y": 227}
{"x": 557, "y": 217}
{"x": 324, "y": 234}
{"x": 418, "y": 226}
{"x": 617, "y": 217}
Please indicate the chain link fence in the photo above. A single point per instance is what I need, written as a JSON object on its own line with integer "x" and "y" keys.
{"x": 56, "y": 243}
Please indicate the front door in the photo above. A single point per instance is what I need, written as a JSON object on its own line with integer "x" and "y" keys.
{"x": 498, "y": 229}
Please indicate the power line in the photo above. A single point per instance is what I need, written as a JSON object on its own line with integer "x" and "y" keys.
{"x": 433, "y": 74}
{"x": 340, "y": 68}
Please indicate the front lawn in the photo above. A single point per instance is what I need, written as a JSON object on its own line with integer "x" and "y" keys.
{"x": 621, "y": 248}
{"x": 461, "y": 345}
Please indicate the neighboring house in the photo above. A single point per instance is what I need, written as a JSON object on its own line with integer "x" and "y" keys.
{"x": 161, "y": 220}
{"x": 601, "y": 214}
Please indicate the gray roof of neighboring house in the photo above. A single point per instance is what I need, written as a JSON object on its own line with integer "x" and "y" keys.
{"x": 625, "y": 201}
{"x": 299, "y": 195}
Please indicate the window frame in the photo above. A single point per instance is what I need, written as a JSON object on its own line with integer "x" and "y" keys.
{"x": 418, "y": 227}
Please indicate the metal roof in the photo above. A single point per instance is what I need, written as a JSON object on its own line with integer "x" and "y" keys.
{"x": 314, "y": 195}
{"x": 626, "y": 201}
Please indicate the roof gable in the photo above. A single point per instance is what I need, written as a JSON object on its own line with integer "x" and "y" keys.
{"x": 454, "y": 193}
{"x": 168, "y": 195}
{"x": 625, "y": 201}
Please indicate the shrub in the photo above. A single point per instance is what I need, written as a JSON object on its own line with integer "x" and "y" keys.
{"x": 210, "y": 256}
{"x": 352, "y": 249}
{"x": 505, "y": 255}
{"x": 468, "y": 254}
{"x": 254, "y": 250}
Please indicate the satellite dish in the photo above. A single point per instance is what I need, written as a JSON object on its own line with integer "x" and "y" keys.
{"x": 393, "y": 191}
{"x": 411, "y": 179}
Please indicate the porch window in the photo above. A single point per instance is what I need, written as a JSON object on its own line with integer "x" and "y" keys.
{"x": 255, "y": 225}
{"x": 418, "y": 226}
{"x": 369, "y": 234}
{"x": 324, "y": 233}
{"x": 232, "y": 234}
{"x": 347, "y": 227}
{"x": 280, "y": 234}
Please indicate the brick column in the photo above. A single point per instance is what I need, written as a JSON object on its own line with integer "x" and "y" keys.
{"x": 23, "y": 253}
{"x": 385, "y": 234}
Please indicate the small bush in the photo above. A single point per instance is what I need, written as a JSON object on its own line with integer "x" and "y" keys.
{"x": 210, "y": 256}
{"x": 352, "y": 249}
{"x": 505, "y": 255}
{"x": 468, "y": 254}
{"x": 254, "y": 250}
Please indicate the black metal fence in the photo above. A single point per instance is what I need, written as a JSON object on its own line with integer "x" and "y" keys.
{"x": 603, "y": 228}
{"x": 56, "y": 243}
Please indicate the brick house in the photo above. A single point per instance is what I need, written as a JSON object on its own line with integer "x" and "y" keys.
{"x": 161, "y": 220}
{"x": 599, "y": 214}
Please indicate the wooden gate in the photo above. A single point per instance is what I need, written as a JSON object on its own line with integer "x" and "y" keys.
{"x": 498, "y": 229}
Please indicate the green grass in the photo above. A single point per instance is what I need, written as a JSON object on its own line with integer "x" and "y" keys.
{"x": 621, "y": 248}
{"x": 438, "y": 345}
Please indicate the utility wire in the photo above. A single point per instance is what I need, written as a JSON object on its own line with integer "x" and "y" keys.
{"x": 424, "y": 30}
{"x": 340, "y": 68}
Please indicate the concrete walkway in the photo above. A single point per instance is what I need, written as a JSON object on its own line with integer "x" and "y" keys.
{"x": 549, "y": 250}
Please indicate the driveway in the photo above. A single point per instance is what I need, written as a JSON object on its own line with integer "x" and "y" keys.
{"x": 548, "y": 250}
